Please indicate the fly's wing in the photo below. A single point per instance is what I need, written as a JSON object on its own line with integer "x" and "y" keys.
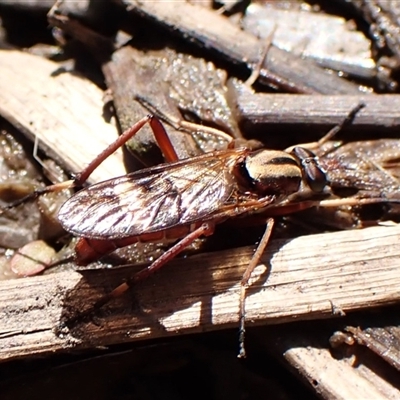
{"x": 152, "y": 199}
{"x": 363, "y": 169}
{"x": 370, "y": 167}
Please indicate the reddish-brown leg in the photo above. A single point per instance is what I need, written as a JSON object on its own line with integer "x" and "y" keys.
{"x": 80, "y": 178}
{"x": 245, "y": 280}
{"x": 160, "y": 134}
{"x": 205, "y": 229}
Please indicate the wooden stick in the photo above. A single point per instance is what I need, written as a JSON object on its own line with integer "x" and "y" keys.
{"x": 316, "y": 110}
{"x": 304, "y": 278}
{"x": 355, "y": 376}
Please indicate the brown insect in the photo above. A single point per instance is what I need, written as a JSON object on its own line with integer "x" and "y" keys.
{"x": 183, "y": 200}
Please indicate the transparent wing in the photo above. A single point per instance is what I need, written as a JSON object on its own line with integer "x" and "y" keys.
{"x": 152, "y": 199}
{"x": 371, "y": 167}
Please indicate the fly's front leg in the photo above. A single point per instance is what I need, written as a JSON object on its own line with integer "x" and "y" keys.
{"x": 244, "y": 283}
{"x": 316, "y": 146}
{"x": 160, "y": 134}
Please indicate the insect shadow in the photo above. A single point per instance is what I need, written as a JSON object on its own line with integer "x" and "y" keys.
{"x": 190, "y": 293}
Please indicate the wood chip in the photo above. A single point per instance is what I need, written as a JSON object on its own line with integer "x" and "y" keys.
{"x": 315, "y": 111}
{"x": 383, "y": 340}
{"x": 339, "y": 379}
{"x": 62, "y": 110}
{"x": 32, "y": 259}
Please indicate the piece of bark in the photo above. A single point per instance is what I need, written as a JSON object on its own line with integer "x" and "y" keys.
{"x": 383, "y": 16}
{"x": 63, "y": 111}
{"x": 269, "y": 111}
{"x": 31, "y": 5}
{"x": 151, "y": 75}
{"x": 212, "y": 31}
{"x": 310, "y": 277}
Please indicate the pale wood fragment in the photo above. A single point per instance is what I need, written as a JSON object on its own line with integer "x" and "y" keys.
{"x": 310, "y": 277}
{"x": 64, "y": 111}
{"x": 339, "y": 379}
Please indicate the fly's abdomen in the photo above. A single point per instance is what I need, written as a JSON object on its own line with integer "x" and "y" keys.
{"x": 89, "y": 250}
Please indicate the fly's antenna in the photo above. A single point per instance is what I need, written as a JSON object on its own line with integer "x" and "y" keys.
{"x": 346, "y": 122}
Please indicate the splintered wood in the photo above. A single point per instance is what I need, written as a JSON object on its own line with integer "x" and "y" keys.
{"x": 60, "y": 109}
{"x": 315, "y": 276}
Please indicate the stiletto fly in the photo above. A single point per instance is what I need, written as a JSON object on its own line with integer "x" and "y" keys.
{"x": 182, "y": 200}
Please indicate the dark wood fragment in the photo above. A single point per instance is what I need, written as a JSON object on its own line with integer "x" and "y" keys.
{"x": 30, "y": 5}
{"x": 162, "y": 77}
{"x": 127, "y": 77}
{"x": 100, "y": 46}
{"x": 103, "y": 16}
{"x": 384, "y": 17}
{"x": 213, "y": 31}
{"x": 133, "y": 73}
{"x": 384, "y": 341}
{"x": 269, "y": 111}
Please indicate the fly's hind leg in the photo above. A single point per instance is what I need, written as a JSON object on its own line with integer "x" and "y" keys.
{"x": 205, "y": 229}
{"x": 244, "y": 283}
{"x": 160, "y": 134}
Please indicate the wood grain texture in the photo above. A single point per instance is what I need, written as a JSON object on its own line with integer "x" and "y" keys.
{"x": 343, "y": 371}
{"x": 316, "y": 110}
{"x": 62, "y": 110}
{"x": 316, "y": 276}
{"x": 339, "y": 378}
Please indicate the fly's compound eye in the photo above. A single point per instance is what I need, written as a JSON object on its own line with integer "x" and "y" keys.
{"x": 313, "y": 173}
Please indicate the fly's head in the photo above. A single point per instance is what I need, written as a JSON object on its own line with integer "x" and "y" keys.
{"x": 313, "y": 174}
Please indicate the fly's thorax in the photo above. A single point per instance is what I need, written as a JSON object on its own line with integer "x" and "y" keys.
{"x": 271, "y": 172}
